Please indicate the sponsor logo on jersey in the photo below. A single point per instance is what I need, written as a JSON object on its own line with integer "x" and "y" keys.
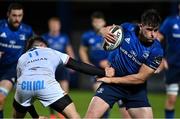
{"x": 175, "y": 35}
{"x": 3, "y": 35}
{"x": 34, "y": 60}
{"x": 12, "y": 42}
{"x": 32, "y": 85}
{"x": 127, "y": 40}
{"x": 10, "y": 46}
{"x": 158, "y": 60}
{"x": 133, "y": 53}
{"x": 131, "y": 56}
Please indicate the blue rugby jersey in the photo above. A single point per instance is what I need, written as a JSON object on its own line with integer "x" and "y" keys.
{"x": 131, "y": 54}
{"x": 94, "y": 42}
{"x": 59, "y": 42}
{"x": 170, "y": 28}
{"x": 12, "y": 42}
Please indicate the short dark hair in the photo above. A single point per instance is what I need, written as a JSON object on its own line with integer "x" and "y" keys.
{"x": 33, "y": 39}
{"x": 98, "y": 15}
{"x": 15, "y": 6}
{"x": 151, "y": 18}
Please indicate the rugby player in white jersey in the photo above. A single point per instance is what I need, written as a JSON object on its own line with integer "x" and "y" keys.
{"x": 36, "y": 79}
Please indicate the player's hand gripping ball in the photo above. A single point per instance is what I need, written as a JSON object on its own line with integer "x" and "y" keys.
{"x": 118, "y": 32}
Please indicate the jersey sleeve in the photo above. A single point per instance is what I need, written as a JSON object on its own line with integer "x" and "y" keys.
{"x": 155, "y": 58}
{"x": 67, "y": 40}
{"x": 18, "y": 67}
{"x": 29, "y": 31}
{"x": 84, "y": 40}
{"x": 62, "y": 57}
{"x": 18, "y": 70}
{"x": 165, "y": 27}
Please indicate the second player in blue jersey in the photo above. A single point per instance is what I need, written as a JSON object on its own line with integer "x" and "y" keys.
{"x": 170, "y": 37}
{"x": 133, "y": 62}
{"x": 13, "y": 37}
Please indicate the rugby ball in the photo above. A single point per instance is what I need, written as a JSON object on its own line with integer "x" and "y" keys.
{"x": 118, "y": 32}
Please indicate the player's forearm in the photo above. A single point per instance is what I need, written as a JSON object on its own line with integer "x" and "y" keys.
{"x": 85, "y": 58}
{"x": 69, "y": 51}
{"x": 85, "y": 68}
{"x": 83, "y": 55}
{"x": 130, "y": 79}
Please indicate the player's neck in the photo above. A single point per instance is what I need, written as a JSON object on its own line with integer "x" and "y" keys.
{"x": 54, "y": 34}
{"x": 97, "y": 31}
{"x": 144, "y": 41}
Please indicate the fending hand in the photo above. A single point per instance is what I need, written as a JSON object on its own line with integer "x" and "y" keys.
{"x": 107, "y": 35}
{"x": 110, "y": 72}
{"x": 104, "y": 79}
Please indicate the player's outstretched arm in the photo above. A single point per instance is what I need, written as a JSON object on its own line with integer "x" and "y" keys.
{"x": 144, "y": 73}
{"x": 84, "y": 68}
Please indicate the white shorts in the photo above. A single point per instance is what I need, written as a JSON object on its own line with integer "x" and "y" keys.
{"x": 44, "y": 88}
{"x": 172, "y": 89}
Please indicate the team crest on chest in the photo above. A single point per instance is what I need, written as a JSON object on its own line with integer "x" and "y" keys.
{"x": 61, "y": 40}
{"x": 50, "y": 41}
{"x": 146, "y": 54}
{"x": 22, "y": 37}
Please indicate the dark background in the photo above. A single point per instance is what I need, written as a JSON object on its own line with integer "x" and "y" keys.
{"x": 76, "y": 15}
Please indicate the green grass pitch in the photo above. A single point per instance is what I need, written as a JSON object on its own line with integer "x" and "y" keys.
{"x": 82, "y": 98}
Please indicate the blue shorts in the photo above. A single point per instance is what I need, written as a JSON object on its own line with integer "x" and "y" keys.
{"x": 131, "y": 97}
{"x": 8, "y": 72}
{"x": 173, "y": 74}
{"x": 62, "y": 73}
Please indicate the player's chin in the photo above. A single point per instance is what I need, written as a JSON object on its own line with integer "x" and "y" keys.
{"x": 97, "y": 28}
{"x": 16, "y": 25}
{"x": 150, "y": 40}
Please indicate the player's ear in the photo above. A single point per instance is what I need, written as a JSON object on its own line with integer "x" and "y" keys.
{"x": 104, "y": 23}
{"x": 140, "y": 26}
{"x": 7, "y": 14}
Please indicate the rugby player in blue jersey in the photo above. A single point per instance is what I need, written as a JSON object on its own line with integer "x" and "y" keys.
{"x": 134, "y": 61}
{"x": 91, "y": 50}
{"x": 60, "y": 42}
{"x": 170, "y": 36}
{"x": 13, "y": 37}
